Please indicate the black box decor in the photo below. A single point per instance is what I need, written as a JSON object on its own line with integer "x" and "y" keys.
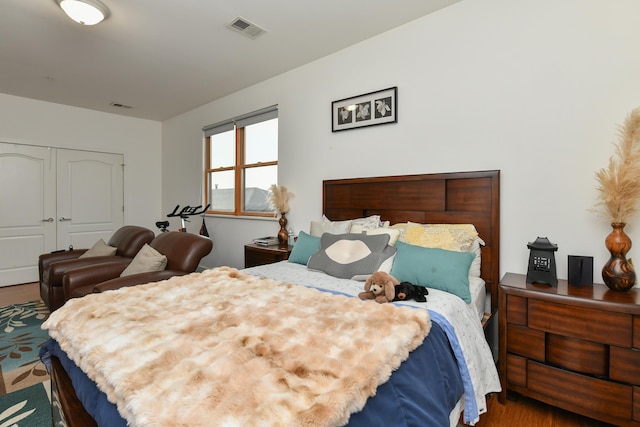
{"x": 580, "y": 270}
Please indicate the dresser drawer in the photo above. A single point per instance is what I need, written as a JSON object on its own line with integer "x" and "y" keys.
{"x": 516, "y": 370}
{"x": 579, "y": 322}
{"x": 589, "y": 396}
{"x": 625, "y": 365}
{"x": 525, "y": 342}
{"x": 636, "y": 404}
{"x": 517, "y": 310}
{"x": 578, "y": 355}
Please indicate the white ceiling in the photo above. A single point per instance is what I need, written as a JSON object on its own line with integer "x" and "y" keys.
{"x": 166, "y": 57}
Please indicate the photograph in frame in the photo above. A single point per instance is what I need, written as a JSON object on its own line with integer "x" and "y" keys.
{"x": 370, "y": 109}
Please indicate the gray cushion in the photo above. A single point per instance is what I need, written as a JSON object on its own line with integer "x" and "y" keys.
{"x": 350, "y": 255}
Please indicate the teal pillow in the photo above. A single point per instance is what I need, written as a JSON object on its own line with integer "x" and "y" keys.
{"x": 433, "y": 268}
{"x": 305, "y": 246}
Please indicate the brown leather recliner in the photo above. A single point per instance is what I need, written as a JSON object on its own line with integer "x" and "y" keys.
{"x": 183, "y": 251}
{"x": 128, "y": 240}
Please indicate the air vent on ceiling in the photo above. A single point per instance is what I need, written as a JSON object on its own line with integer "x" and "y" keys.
{"x": 119, "y": 105}
{"x": 245, "y": 27}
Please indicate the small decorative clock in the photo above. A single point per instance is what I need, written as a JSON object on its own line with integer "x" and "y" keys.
{"x": 542, "y": 262}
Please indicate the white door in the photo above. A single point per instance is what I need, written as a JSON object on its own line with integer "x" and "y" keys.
{"x": 90, "y": 197}
{"x": 27, "y": 210}
{"x": 53, "y": 198}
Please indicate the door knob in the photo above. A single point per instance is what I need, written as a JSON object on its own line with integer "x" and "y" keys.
{"x": 64, "y": 219}
{"x": 48, "y": 220}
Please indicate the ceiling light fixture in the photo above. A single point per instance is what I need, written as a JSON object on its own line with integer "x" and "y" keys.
{"x": 85, "y": 12}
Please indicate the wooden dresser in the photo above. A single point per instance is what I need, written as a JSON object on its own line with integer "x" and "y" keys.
{"x": 255, "y": 255}
{"x": 577, "y": 348}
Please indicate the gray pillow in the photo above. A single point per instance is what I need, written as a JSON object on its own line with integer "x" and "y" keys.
{"x": 349, "y": 255}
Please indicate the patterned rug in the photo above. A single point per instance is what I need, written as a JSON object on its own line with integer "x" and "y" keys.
{"x": 28, "y": 407}
{"x": 24, "y": 382}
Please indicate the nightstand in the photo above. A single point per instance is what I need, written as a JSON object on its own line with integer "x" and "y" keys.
{"x": 577, "y": 348}
{"x": 259, "y": 255}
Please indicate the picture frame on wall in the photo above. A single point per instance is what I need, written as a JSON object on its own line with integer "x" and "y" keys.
{"x": 370, "y": 109}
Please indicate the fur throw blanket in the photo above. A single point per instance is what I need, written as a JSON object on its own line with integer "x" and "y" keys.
{"x": 228, "y": 349}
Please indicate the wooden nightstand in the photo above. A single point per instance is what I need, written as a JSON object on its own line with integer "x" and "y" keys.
{"x": 577, "y": 348}
{"x": 260, "y": 255}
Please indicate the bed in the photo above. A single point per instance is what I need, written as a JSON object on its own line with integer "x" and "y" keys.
{"x": 439, "y": 364}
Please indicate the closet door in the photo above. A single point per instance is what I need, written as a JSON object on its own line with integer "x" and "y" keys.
{"x": 27, "y": 210}
{"x": 53, "y": 198}
{"x": 90, "y": 197}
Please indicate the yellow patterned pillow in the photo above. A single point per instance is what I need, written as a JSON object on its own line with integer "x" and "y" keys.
{"x": 451, "y": 237}
{"x": 402, "y": 228}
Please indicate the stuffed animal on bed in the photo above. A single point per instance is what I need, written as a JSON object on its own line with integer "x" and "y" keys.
{"x": 406, "y": 291}
{"x": 380, "y": 286}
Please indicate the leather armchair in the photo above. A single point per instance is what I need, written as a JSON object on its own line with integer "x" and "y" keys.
{"x": 184, "y": 252}
{"x": 128, "y": 240}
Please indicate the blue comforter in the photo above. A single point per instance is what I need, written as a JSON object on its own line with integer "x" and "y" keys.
{"x": 422, "y": 392}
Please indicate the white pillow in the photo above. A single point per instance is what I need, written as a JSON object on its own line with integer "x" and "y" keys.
{"x": 100, "y": 248}
{"x": 318, "y": 228}
{"x": 474, "y": 270}
{"x": 358, "y": 225}
{"x": 146, "y": 260}
{"x": 393, "y": 234}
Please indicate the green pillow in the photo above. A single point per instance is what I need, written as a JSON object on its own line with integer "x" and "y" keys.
{"x": 305, "y": 246}
{"x": 433, "y": 268}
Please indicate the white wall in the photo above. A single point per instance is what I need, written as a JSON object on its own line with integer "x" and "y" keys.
{"x": 31, "y": 122}
{"x": 535, "y": 89}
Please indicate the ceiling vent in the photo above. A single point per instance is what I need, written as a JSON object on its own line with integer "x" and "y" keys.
{"x": 245, "y": 27}
{"x": 119, "y": 105}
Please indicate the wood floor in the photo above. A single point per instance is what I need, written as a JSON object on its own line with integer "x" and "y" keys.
{"x": 19, "y": 293}
{"x": 528, "y": 412}
{"x": 521, "y": 412}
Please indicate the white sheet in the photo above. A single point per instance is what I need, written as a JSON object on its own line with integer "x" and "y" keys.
{"x": 478, "y": 294}
{"x": 458, "y": 319}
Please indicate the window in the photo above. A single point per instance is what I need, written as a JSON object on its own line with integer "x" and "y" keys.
{"x": 241, "y": 163}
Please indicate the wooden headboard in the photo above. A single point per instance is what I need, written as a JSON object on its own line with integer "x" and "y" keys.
{"x": 441, "y": 198}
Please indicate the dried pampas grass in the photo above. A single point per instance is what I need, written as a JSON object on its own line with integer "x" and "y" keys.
{"x": 279, "y": 199}
{"x": 619, "y": 183}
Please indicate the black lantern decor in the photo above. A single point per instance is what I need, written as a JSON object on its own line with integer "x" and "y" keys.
{"x": 542, "y": 262}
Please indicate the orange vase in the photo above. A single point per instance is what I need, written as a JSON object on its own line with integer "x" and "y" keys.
{"x": 618, "y": 273}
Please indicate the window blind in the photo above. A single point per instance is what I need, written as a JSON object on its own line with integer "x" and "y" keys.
{"x": 258, "y": 116}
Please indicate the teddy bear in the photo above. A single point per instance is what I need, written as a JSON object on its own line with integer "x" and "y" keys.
{"x": 406, "y": 291}
{"x": 380, "y": 286}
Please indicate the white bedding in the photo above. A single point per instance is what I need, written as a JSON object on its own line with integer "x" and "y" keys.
{"x": 478, "y": 295}
{"x": 458, "y": 319}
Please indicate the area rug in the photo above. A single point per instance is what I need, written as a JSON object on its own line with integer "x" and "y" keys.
{"x": 25, "y": 399}
{"x": 20, "y": 342}
{"x": 28, "y": 407}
